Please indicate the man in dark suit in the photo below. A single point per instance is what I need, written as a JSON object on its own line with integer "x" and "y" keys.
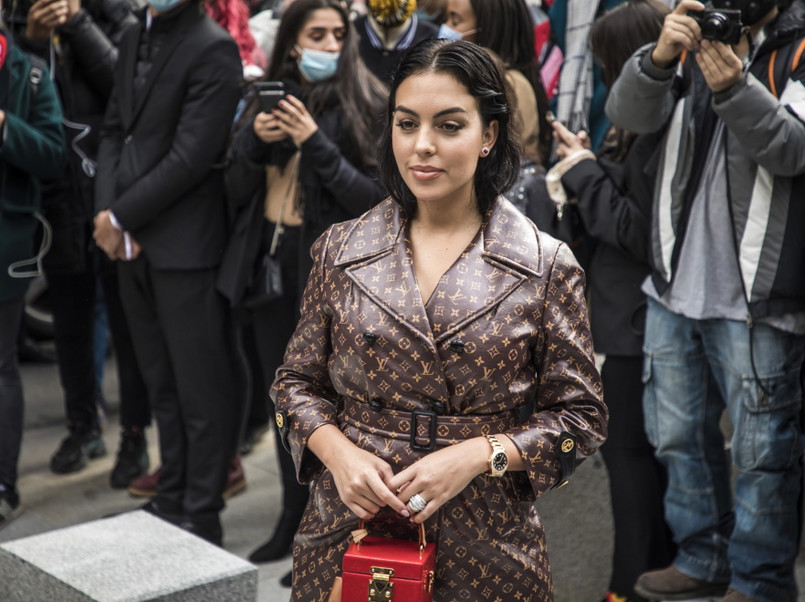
{"x": 161, "y": 209}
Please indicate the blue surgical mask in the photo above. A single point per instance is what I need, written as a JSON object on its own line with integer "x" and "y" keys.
{"x": 164, "y": 5}
{"x": 448, "y": 33}
{"x": 317, "y": 65}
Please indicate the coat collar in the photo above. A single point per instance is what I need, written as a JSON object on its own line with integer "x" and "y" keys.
{"x": 375, "y": 254}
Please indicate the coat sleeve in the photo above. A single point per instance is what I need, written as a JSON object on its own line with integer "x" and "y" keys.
{"x": 94, "y": 50}
{"x": 354, "y": 190}
{"x": 302, "y": 389}
{"x": 770, "y": 131}
{"x": 569, "y": 391}
{"x": 212, "y": 94}
{"x": 642, "y": 99}
{"x": 609, "y": 215}
{"x": 245, "y": 166}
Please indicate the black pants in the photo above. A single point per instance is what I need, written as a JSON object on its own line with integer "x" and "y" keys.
{"x": 11, "y": 401}
{"x": 183, "y": 337}
{"x": 637, "y": 481}
{"x": 73, "y": 301}
{"x": 274, "y": 323}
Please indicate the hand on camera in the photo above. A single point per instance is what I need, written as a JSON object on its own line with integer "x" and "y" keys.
{"x": 679, "y": 32}
{"x": 719, "y": 64}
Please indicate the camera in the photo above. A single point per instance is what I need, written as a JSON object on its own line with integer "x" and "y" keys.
{"x": 722, "y": 25}
{"x": 269, "y": 94}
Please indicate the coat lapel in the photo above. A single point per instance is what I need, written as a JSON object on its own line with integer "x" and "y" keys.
{"x": 376, "y": 257}
{"x": 189, "y": 15}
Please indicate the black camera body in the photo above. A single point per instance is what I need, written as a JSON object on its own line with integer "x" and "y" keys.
{"x": 723, "y": 25}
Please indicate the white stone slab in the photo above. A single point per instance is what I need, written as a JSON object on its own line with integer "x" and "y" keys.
{"x": 131, "y": 557}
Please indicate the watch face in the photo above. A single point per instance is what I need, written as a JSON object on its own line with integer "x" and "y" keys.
{"x": 500, "y": 462}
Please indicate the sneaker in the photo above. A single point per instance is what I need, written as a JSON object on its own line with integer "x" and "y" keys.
{"x": 10, "y": 507}
{"x": 146, "y": 486}
{"x": 672, "y": 584}
{"x": 76, "y": 449}
{"x": 132, "y": 459}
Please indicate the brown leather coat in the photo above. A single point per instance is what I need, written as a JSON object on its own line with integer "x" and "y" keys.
{"x": 506, "y": 323}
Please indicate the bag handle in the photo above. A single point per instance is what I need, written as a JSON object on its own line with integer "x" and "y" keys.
{"x": 358, "y": 534}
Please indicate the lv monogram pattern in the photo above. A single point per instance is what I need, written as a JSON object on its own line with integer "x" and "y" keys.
{"x": 506, "y": 322}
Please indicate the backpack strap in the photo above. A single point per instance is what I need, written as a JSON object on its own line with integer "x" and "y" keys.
{"x": 35, "y": 75}
{"x": 780, "y": 75}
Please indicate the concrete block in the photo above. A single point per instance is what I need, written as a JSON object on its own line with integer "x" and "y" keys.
{"x": 131, "y": 557}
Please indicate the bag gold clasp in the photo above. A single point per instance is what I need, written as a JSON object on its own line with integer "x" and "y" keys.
{"x": 381, "y": 589}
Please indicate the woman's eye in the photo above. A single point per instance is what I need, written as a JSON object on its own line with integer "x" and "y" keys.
{"x": 406, "y": 124}
{"x": 451, "y": 127}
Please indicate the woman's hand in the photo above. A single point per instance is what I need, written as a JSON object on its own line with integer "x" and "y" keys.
{"x": 294, "y": 120}
{"x": 567, "y": 142}
{"x": 679, "y": 32}
{"x": 441, "y": 475}
{"x": 360, "y": 476}
{"x": 43, "y": 17}
{"x": 266, "y": 126}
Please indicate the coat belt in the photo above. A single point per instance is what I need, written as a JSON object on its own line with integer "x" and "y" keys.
{"x": 430, "y": 430}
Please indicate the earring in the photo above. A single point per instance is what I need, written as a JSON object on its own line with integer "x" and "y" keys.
{"x": 484, "y": 151}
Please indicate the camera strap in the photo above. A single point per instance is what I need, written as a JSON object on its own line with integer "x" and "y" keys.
{"x": 775, "y": 77}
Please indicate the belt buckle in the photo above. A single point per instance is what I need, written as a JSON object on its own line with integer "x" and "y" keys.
{"x": 431, "y": 445}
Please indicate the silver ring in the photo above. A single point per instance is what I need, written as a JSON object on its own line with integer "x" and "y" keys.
{"x": 417, "y": 503}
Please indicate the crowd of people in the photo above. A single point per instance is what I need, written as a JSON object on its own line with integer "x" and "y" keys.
{"x": 405, "y": 236}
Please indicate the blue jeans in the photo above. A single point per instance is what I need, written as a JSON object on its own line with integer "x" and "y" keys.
{"x": 693, "y": 369}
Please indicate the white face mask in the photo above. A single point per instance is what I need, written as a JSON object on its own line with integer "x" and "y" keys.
{"x": 317, "y": 65}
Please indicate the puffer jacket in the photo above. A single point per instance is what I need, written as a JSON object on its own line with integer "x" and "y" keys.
{"x": 765, "y": 145}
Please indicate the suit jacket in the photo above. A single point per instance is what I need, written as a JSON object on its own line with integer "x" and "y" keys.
{"x": 505, "y": 331}
{"x": 164, "y": 140}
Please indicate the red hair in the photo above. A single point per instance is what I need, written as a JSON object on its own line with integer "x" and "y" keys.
{"x": 233, "y": 15}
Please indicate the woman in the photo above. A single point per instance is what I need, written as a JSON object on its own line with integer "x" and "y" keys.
{"x": 423, "y": 312}
{"x": 508, "y": 32}
{"x": 614, "y": 201}
{"x": 293, "y": 172}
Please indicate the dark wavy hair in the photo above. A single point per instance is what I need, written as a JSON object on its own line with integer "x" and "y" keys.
{"x": 471, "y": 66}
{"x": 505, "y": 27}
{"x": 353, "y": 88}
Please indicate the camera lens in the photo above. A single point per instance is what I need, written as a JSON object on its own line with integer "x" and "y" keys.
{"x": 714, "y": 26}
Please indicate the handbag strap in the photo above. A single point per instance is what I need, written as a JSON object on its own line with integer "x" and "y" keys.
{"x": 279, "y": 228}
{"x": 358, "y": 534}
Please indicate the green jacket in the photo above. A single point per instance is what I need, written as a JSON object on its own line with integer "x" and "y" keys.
{"x": 31, "y": 147}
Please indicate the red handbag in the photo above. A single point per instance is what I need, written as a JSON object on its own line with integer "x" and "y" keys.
{"x": 381, "y": 568}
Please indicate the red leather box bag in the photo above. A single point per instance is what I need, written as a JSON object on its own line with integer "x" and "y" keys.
{"x": 380, "y": 568}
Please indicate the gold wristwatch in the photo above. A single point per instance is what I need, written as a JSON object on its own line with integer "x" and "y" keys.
{"x": 498, "y": 460}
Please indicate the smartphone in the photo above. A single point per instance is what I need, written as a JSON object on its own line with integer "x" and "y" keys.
{"x": 269, "y": 94}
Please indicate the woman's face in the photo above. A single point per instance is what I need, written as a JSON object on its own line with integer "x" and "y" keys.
{"x": 324, "y": 30}
{"x": 461, "y": 17}
{"x": 438, "y": 136}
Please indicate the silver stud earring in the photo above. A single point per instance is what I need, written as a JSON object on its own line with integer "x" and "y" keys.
{"x": 484, "y": 151}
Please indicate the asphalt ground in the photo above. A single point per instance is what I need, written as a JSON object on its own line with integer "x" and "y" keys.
{"x": 577, "y": 517}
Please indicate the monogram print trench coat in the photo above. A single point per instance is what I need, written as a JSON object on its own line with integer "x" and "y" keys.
{"x": 502, "y": 346}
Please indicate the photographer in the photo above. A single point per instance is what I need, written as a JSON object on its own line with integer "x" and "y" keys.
{"x": 725, "y": 318}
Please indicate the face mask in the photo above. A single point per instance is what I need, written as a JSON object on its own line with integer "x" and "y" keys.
{"x": 448, "y": 33}
{"x": 317, "y": 65}
{"x": 752, "y": 11}
{"x": 163, "y": 5}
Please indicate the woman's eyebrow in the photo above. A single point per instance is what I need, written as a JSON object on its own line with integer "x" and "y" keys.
{"x": 439, "y": 114}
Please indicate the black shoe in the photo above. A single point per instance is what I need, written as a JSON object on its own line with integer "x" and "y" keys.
{"x": 287, "y": 579}
{"x": 281, "y": 542}
{"x": 76, "y": 449}
{"x": 164, "y": 509}
{"x": 207, "y": 527}
{"x": 10, "y": 507}
{"x": 132, "y": 460}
